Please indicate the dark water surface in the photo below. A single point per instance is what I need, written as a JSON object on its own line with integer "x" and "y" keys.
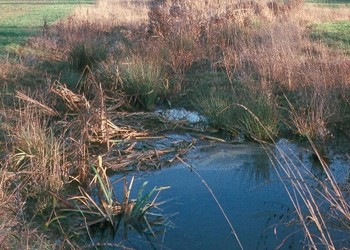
{"x": 245, "y": 184}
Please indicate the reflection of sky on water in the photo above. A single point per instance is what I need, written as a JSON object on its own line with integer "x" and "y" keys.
{"x": 247, "y": 187}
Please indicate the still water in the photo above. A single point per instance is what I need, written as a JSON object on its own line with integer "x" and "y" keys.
{"x": 248, "y": 189}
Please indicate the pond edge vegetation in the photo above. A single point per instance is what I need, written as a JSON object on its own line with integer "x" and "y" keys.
{"x": 69, "y": 96}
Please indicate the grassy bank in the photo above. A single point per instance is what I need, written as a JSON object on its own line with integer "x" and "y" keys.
{"x": 256, "y": 69}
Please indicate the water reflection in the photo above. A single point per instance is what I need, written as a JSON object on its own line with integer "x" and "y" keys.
{"x": 105, "y": 237}
{"x": 313, "y": 188}
{"x": 245, "y": 183}
{"x": 137, "y": 215}
{"x": 259, "y": 170}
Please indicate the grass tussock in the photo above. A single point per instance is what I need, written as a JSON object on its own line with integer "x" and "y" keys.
{"x": 143, "y": 81}
{"x": 85, "y": 55}
{"x": 235, "y": 112}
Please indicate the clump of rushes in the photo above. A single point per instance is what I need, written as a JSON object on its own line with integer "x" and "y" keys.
{"x": 242, "y": 110}
{"x": 87, "y": 211}
{"x": 310, "y": 111}
{"x": 258, "y": 116}
{"x": 86, "y": 54}
{"x": 38, "y": 155}
{"x": 143, "y": 81}
{"x": 217, "y": 107}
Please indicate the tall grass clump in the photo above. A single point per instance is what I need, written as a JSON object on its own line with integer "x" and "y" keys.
{"x": 86, "y": 54}
{"x": 144, "y": 81}
{"x": 37, "y": 154}
{"x": 234, "y": 112}
{"x": 310, "y": 111}
{"x": 33, "y": 163}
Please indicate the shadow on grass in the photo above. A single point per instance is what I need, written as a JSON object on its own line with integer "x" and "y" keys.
{"x": 14, "y": 34}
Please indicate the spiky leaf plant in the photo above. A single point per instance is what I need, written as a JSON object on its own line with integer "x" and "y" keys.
{"x": 87, "y": 210}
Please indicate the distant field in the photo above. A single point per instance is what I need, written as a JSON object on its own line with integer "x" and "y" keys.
{"x": 330, "y": 1}
{"x": 335, "y": 34}
{"x": 22, "y": 18}
{"x": 334, "y": 3}
{"x": 46, "y": 1}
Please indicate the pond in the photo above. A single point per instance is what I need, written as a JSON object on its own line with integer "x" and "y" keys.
{"x": 248, "y": 190}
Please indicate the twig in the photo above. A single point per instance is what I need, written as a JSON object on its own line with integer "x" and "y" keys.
{"x": 45, "y": 108}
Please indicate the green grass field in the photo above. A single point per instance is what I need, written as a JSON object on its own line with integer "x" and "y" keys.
{"x": 21, "y": 19}
{"x": 329, "y": 1}
{"x": 335, "y": 34}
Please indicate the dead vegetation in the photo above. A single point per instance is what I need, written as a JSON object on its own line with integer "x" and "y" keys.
{"x": 60, "y": 117}
{"x": 262, "y": 47}
{"x": 52, "y": 137}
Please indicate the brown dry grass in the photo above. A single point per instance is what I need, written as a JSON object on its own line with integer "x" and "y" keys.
{"x": 110, "y": 13}
{"x": 263, "y": 45}
{"x": 320, "y": 208}
{"x": 50, "y": 137}
{"x": 45, "y": 149}
{"x": 311, "y": 13}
